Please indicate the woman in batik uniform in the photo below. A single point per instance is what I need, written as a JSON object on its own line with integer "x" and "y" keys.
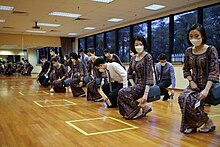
{"x": 129, "y": 107}
{"x": 191, "y": 100}
{"x": 79, "y": 71}
{"x": 60, "y": 74}
{"x": 92, "y": 87}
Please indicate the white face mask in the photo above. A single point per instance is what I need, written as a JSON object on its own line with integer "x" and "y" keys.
{"x": 139, "y": 48}
{"x": 163, "y": 64}
{"x": 101, "y": 70}
{"x": 196, "y": 42}
{"x": 106, "y": 55}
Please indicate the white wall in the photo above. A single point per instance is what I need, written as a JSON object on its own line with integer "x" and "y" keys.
{"x": 32, "y": 58}
{"x": 181, "y": 83}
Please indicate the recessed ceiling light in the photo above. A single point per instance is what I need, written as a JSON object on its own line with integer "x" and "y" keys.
{"x": 89, "y": 28}
{"x": 115, "y": 19}
{"x": 64, "y": 14}
{"x": 6, "y": 8}
{"x": 35, "y": 31}
{"x": 72, "y": 34}
{"x": 2, "y": 20}
{"x": 103, "y": 1}
{"x": 48, "y": 24}
{"x": 154, "y": 7}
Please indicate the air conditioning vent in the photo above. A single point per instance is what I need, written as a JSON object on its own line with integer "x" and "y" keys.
{"x": 54, "y": 31}
{"x": 4, "y": 27}
{"x": 20, "y": 13}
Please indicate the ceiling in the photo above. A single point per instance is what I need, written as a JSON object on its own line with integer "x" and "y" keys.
{"x": 96, "y": 14}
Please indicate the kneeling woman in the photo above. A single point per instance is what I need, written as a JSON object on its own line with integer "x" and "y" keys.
{"x": 79, "y": 71}
{"x": 191, "y": 100}
{"x": 59, "y": 76}
{"x": 129, "y": 107}
{"x": 92, "y": 87}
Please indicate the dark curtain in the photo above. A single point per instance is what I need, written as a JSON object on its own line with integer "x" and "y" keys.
{"x": 67, "y": 45}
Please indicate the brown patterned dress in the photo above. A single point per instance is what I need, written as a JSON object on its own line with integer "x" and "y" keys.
{"x": 127, "y": 97}
{"x": 79, "y": 71}
{"x": 92, "y": 87}
{"x": 195, "y": 66}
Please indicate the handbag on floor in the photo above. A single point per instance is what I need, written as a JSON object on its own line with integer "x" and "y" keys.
{"x": 214, "y": 92}
{"x": 154, "y": 92}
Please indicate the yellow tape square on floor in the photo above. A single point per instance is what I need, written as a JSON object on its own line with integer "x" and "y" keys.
{"x": 54, "y": 103}
{"x": 94, "y": 127}
{"x": 34, "y": 93}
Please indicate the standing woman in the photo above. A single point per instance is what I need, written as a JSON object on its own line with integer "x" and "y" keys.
{"x": 79, "y": 72}
{"x": 129, "y": 107}
{"x": 191, "y": 100}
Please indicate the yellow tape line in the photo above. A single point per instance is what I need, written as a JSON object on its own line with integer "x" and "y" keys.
{"x": 38, "y": 103}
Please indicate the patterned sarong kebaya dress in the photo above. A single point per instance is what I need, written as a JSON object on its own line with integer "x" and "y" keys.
{"x": 92, "y": 86}
{"x": 127, "y": 97}
{"x": 195, "y": 66}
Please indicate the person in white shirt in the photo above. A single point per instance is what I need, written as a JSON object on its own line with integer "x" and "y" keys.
{"x": 117, "y": 79}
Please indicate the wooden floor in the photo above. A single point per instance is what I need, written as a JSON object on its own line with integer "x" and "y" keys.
{"x": 30, "y": 116}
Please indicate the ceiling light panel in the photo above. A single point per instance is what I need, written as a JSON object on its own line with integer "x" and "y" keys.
{"x": 89, "y": 28}
{"x": 155, "y": 7}
{"x": 48, "y": 24}
{"x": 6, "y": 8}
{"x": 115, "y": 19}
{"x": 2, "y": 20}
{"x": 64, "y": 14}
{"x": 72, "y": 34}
{"x": 35, "y": 31}
{"x": 103, "y": 1}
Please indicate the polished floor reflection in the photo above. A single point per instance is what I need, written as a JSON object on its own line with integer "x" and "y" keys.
{"x": 31, "y": 116}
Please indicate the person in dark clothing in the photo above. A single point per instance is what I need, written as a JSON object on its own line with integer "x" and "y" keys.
{"x": 45, "y": 66}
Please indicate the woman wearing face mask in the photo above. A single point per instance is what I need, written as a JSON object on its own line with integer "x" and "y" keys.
{"x": 166, "y": 76}
{"x": 79, "y": 71}
{"x": 60, "y": 74}
{"x": 191, "y": 100}
{"x": 92, "y": 93}
{"x": 129, "y": 107}
{"x": 112, "y": 58}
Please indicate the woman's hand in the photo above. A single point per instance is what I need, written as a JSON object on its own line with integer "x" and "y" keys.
{"x": 80, "y": 84}
{"x": 144, "y": 99}
{"x": 203, "y": 94}
{"x": 172, "y": 92}
{"x": 193, "y": 85}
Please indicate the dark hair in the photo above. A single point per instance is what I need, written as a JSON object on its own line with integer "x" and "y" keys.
{"x": 26, "y": 61}
{"x": 91, "y": 50}
{"x": 52, "y": 49}
{"x": 54, "y": 60}
{"x": 199, "y": 28}
{"x": 80, "y": 50}
{"x": 162, "y": 56}
{"x": 98, "y": 62}
{"x": 43, "y": 57}
{"x": 139, "y": 38}
{"x": 67, "y": 57}
{"x": 74, "y": 55}
{"x": 106, "y": 51}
